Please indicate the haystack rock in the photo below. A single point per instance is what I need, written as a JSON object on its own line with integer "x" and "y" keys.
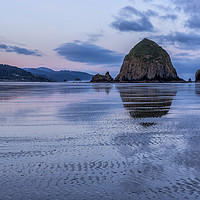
{"x": 147, "y": 62}
{"x": 197, "y": 76}
{"x": 102, "y": 78}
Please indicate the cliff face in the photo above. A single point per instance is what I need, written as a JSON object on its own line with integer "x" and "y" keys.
{"x": 102, "y": 78}
{"x": 197, "y": 76}
{"x": 147, "y": 61}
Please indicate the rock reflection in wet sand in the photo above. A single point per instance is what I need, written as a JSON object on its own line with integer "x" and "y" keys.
{"x": 149, "y": 101}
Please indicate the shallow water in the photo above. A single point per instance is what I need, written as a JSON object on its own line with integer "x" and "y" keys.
{"x": 99, "y": 141}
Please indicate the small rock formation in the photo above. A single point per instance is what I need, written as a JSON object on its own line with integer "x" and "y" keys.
{"x": 102, "y": 78}
{"x": 147, "y": 62}
{"x": 197, "y": 76}
{"x": 77, "y": 79}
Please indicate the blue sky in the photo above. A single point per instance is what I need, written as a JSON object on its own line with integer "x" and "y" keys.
{"x": 94, "y": 35}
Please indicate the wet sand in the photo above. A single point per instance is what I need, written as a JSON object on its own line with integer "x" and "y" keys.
{"x": 99, "y": 141}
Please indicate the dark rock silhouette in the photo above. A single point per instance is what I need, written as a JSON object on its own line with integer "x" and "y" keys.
{"x": 147, "y": 62}
{"x": 77, "y": 79}
{"x": 102, "y": 78}
{"x": 147, "y": 102}
{"x": 197, "y": 76}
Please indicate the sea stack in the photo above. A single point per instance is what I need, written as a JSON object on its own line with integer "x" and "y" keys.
{"x": 102, "y": 78}
{"x": 197, "y": 76}
{"x": 147, "y": 62}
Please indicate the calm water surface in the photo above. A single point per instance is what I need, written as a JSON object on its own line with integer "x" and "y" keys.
{"x": 99, "y": 141}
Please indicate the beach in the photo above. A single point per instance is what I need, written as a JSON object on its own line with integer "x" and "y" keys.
{"x": 99, "y": 141}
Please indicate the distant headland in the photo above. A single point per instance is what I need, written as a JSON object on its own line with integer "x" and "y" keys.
{"x": 41, "y": 74}
{"x": 12, "y": 73}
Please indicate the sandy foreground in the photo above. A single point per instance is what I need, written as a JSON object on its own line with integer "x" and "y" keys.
{"x": 99, "y": 141}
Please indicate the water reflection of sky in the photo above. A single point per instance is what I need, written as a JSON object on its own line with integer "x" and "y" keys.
{"x": 88, "y": 102}
{"x": 135, "y": 137}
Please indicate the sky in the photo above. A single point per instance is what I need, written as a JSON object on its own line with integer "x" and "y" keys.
{"x": 94, "y": 35}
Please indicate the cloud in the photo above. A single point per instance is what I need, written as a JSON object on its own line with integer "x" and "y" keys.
{"x": 88, "y": 53}
{"x": 141, "y": 25}
{"x": 169, "y": 17}
{"x": 191, "y": 9}
{"x": 95, "y": 37}
{"x": 132, "y": 20}
{"x": 19, "y": 50}
{"x": 183, "y": 55}
{"x": 151, "y": 13}
{"x": 193, "y": 22}
{"x": 129, "y": 10}
{"x": 181, "y": 40}
{"x": 192, "y": 6}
